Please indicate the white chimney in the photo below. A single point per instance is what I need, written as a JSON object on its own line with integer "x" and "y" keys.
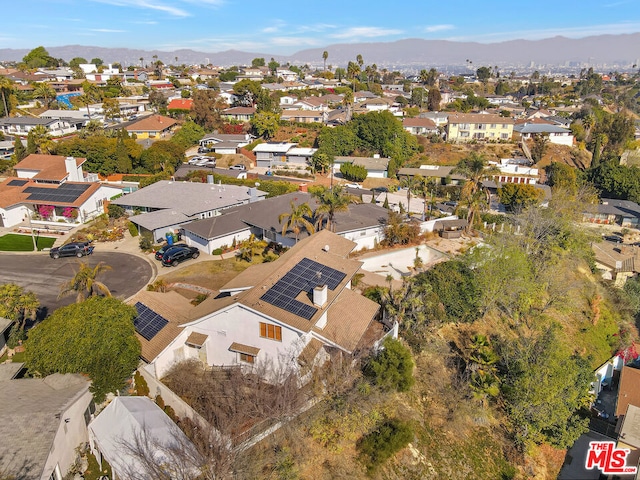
{"x": 320, "y": 296}
{"x": 73, "y": 170}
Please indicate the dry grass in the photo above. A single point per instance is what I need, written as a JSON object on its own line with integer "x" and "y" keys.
{"x": 211, "y": 274}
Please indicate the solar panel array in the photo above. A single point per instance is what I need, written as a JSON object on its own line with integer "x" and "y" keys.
{"x": 17, "y": 183}
{"x": 148, "y": 323}
{"x": 304, "y": 276}
{"x": 65, "y": 193}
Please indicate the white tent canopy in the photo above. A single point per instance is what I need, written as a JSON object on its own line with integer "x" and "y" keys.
{"x": 136, "y": 437}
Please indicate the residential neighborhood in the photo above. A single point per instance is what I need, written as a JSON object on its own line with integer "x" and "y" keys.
{"x": 282, "y": 269}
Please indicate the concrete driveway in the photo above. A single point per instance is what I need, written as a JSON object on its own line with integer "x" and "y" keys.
{"x": 43, "y": 275}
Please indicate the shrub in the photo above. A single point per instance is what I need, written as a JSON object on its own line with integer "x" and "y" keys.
{"x": 145, "y": 243}
{"x": 201, "y": 297}
{"x": 133, "y": 230}
{"x": 217, "y": 251}
{"x": 115, "y": 211}
{"x": 392, "y": 367}
{"x": 354, "y": 173}
{"x": 142, "y": 389}
{"x": 388, "y": 439}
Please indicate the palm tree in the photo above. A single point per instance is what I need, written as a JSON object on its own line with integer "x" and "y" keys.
{"x": 39, "y": 140}
{"x": 5, "y": 85}
{"x": 84, "y": 283}
{"x": 142, "y": 62}
{"x": 45, "y": 92}
{"x": 412, "y": 184}
{"x": 297, "y": 219}
{"x": 473, "y": 195}
{"x": 331, "y": 202}
{"x": 325, "y": 55}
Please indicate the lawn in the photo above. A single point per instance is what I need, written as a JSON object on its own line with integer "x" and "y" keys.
{"x": 23, "y": 243}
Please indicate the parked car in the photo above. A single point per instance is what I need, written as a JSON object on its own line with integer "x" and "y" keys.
{"x": 162, "y": 251}
{"x": 73, "y": 249}
{"x": 205, "y": 150}
{"x": 194, "y": 160}
{"x": 174, "y": 255}
{"x": 237, "y": 167}
{"x": 353, "y": 185}
{"x": 211, "y": 162}
{"x": 613, "y": 238}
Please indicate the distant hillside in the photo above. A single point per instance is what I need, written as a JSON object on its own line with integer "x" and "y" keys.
{"x": 603, "y": 49}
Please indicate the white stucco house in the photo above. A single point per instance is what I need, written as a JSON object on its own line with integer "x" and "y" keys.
{"x": 279, "y": 318}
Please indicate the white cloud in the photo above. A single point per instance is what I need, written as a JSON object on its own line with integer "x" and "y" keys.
{"x": 438, "y": 28}
{"x": 293, "y": 41}
{"x": 148, "y": 5}
{"x": 106, "y": 30}
{"x": 366, "y": 32}
{"x": 270, "y": 30}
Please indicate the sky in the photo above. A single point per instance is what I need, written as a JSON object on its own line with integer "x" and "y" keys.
{"x": 284, "y": 27}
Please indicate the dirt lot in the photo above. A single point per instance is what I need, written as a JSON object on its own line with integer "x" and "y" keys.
{"x": 211, "y": 274}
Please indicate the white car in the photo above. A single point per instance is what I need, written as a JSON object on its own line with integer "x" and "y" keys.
{"x": 353, "y": 185}
{"x": 194, "y": 160}
{"x": 237, "y": 167}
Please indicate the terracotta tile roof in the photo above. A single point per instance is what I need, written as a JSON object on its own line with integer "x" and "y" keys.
{"x": 13, "y": 195}
{"x": 152, "y": 123}
{"x": 629, "y": 390}
{"x": 180, "y": 104}
{"x": 240, "y": 348}
{"x": 197, "y": 339}
{"x": 456, "y": 118}
{"x": 49, "y": 167}
{"x": 348, "y": 319}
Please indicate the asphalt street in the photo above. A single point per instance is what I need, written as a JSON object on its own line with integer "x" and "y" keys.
{"x": 43, "y": 275}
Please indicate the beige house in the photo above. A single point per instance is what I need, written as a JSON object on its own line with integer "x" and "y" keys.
{"x": 465, "y": 127}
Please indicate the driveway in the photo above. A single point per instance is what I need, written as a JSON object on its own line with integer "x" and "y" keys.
{"x": 43, "y": 275}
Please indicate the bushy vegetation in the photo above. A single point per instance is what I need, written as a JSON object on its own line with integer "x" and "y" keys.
{"x": 353, "y": 173}
{"x": 385, "y": 441}
{"x": 392, "y": 367}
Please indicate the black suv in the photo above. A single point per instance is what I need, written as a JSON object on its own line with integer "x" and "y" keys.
{"x": 160, "y": 253}
{"x": 74, "y": 249}
{"x": 174, "y": 255}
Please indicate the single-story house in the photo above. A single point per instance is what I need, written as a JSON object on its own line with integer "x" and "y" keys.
{"x": 363, "y": 224}
{"x": 290, "y": 315}
{"x": 180, "y": 105}
{"x": 300, "y": 155}
{"x": 303, "y": 116}
{"x": 239, "y": 114}
{"x": 419, "y": 126}
{"x": 272, "y": 154}
{"x": 616, "y": 261}
{"x": 241, "y": 140}
{"x": 131, "y": 427}
{"x": 43, "y": 421}
{"x": 556, "y": 134}
{"x": 152, "y": 126}
{"x": 612, "y": 211}
{"x": 167, "y": 205}
{"x": 21, "y": 126}
{"x": 376, "y": 166}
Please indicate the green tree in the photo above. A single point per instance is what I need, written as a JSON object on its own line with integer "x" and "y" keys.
{"x": 483, "y": 74}
{"x": 265, "y": 124}
{"x": 98, "y": 62}
{"x": 39, "y": 58}
{"x": 297, "y": 219}
{"x": 561, "y": 175}
{"x": 206, "y": 109}
{"x": 247, "y": 92}
{"x": 353, "y": 173}
{"x": 474, "y": 167}
{"x": 39, "y": 140}
{"x": 544, "y": 387}
{"x": 332, "y": 201}
{"x": 392, "y": 367}
{"x": 111, "y": 108}
{"x": 19, "y": 151}
{"x": 17, "y": 304}
{"x": 325, "y": 55}
{"x": 397, "y": 231}
{"x": 540, "y": 144}
{"x": 375, "y": 448}
{"x": 321, "y": 161}
{"x": 75, "y": 62}
{"x": 516, "y": 196}
{"x": 433, "y": 99}
{"x": 95, "y": 337}
{"x": 257, "y": 62}
{"x": 189, "y": 134}
{"x": 84, "y": 283}
{"x": 6, "y": 87}
{"x": 340, "y": 140}
{"x": 273, "y": 66}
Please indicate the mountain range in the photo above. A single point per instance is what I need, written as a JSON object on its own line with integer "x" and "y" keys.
{"x": 604, "y": 50}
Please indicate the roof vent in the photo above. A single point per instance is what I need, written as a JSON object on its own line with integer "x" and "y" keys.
{"x": 325, "y": 248}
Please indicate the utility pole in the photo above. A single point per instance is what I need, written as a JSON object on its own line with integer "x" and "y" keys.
{"x": 33, "y": 238}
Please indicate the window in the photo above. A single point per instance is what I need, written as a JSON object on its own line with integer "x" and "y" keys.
{"x": 504, "y": 136}
{"x": 244, "y": 357}
{"x": 464, "y": 134}
{"x": 273, "y": 332}
{"x": 504, "y": 125}
{"x": 493, "y": 125}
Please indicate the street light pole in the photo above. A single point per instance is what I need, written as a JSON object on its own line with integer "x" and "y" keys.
{"x": 33, "y": 238}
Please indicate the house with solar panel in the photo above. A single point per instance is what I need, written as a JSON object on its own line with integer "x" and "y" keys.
{"x": 53, "y": 184}
{"x": 290, "y": 315}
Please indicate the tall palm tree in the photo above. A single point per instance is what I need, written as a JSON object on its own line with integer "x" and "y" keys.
{"x": 331, "y": 202}
{"x": 297, "y": 219}
{"x": 5, "y": 86}
{"x": 474, "y": 167}
{"x": 325, "y": 55}
{"x": 413, "y": 185}
{"x": 84, "y": 283}
{"x": 39, "y": 140}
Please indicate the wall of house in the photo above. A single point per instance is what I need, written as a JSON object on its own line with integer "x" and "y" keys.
{"x": 68, "y": 437}
{"x": 14, "y": 215}
{"x": 234, "y": 324}
{"x": 488, "y": 131}
{"x": 209, "y": 246}
{"x": 94, "y": 205}
{"x": 367, "y": 238}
